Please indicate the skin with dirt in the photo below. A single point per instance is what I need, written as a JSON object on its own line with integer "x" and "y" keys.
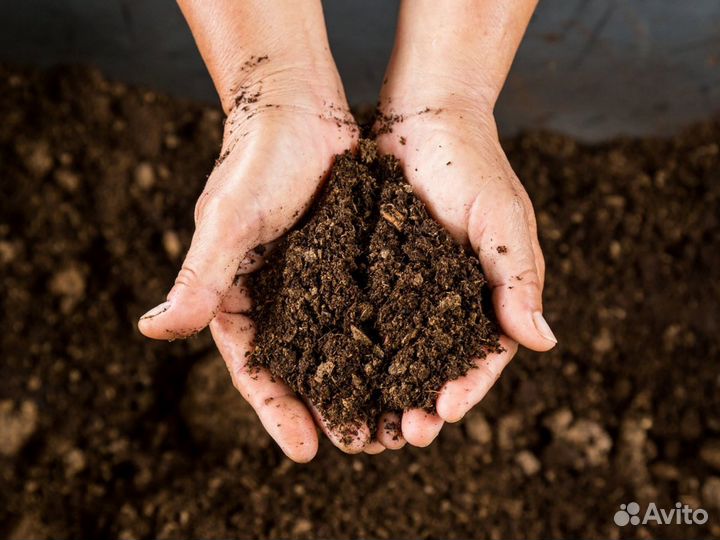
{"x": 370, "y": 306}
{"x": 104, "y": 434}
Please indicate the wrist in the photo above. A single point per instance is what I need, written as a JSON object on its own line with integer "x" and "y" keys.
{"x": 254, "y": 42}
{"x": 411, "y": 89}
{"x": 458, "y": 51}
{"x": 283, "y": 80}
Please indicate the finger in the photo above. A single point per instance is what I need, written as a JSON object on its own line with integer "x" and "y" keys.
{"x": 350, "y": 439}
{"x": 221, "y": 240}
{"x": 374, "y": 448}
{"x": 457, "y": 397}
{"x": 539, "y": 262}
{"x": 500, "y": 234}
{"x": 420, "y": 428}
{"x": 389, "y": 431}
{"x": 282, "y": 414}
{"x": 532, "y": 226}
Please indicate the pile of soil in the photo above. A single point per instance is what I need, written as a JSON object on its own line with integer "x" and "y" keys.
{"x": 370, "y": 306}
{"x": 104, "y": 434}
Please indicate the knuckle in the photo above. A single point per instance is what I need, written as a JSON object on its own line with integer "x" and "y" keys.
{"x": 236, "y": 376}
{"x": 214, "y": 205}
{"x": 200, "y": 206}
{"x": 211, "y": 203}
{"x": 514, "y": 204}
{"x": 187, "y": 277}
{"x": 528, "y": 277}
{"x": 489, "y": 375}
{"x": 236, "y": 372}
{"x": 512, "y": 349}
{"x": 237, "y": 218}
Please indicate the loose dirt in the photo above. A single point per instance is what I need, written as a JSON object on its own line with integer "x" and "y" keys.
{"x": 370, "y": 306}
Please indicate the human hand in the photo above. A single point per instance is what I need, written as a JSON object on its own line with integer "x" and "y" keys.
{"x": 453, "y": 159}
{"x": 436, "y": 116}
{"x": 287, "y": 117}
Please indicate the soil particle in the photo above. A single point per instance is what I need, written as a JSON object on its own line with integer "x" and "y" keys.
{"x": 559, "y": 421}
{"x": 253, "y": 62}
{"x": 603, "y": 342}
{"x": 37, "y": 157}
{"x": 69, "y": 282}
{"x": 302, "y": 526}
{"x": 385, "y": 122}
{"x": 144, "y": 176}
{"x": 172, "y": 244}
{"x": 67, "y": 179}
{"x": 7, "y": 252}
{"x": 583, "y": 443}
{"x": 710, "y": 453}
{"x": 711, "y": 493}
{"x": 17, "y": 424}
{"x": 509, "y": 428}
{"x": 528, "y": 463}
{"x": 632, "y": 458}
{"x": 75, "y": 462}
{"x": 394, "y": 429}
{"x": 478, "y": 428}
{"x": 370, "y": 306}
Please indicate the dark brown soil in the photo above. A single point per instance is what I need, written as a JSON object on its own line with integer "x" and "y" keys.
{"x": 104, "y": 434}
{"x": 370, "y": 306}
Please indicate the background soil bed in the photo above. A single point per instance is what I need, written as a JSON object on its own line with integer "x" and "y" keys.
{"x": 105, "y": 434}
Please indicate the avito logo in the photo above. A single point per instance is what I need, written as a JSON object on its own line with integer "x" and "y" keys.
{"x": 681, "y": 514}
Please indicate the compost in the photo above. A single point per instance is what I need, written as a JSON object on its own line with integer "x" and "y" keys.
{"x": 370, "y": 306}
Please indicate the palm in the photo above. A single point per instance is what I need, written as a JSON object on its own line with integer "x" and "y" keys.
{"x": 276, "y": 153}
{"x": 272, "y": 164}
{"x": 449, "y": 161}
{"x": 457, "y": 167}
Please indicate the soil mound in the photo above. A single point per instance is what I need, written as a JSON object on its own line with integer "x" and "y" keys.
{"x": 370, "y": 305}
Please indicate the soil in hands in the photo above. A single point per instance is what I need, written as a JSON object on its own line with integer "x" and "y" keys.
{"x": 370, "y": 305}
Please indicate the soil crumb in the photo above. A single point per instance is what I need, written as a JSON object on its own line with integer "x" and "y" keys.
{"x": 370, "y": 305}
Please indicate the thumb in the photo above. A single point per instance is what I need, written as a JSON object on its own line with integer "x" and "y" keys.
{"x": 221, "y": 240}
{"x": 499, "y": 231}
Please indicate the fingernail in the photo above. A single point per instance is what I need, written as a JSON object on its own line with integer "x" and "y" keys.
{"x": 543, "y": 327}
{"x": 157, "y": 310}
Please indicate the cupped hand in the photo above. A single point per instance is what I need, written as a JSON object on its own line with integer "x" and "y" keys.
{"x": 281, "y": 135}
{"x": 452, "y": 157}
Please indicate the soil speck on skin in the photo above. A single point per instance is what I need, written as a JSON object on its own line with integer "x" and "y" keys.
{"x": 384, "y": 122}
{"x": 394, "y": 429}
{"x": 370, "y": 306}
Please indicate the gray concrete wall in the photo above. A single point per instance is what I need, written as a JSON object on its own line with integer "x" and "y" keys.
{"x": 590, "y": 68}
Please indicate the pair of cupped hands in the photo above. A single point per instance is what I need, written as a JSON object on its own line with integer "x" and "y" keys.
{"x": 285, "y": 125}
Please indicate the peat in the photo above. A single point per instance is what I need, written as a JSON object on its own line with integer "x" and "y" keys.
{"x": 370, "y": 306}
